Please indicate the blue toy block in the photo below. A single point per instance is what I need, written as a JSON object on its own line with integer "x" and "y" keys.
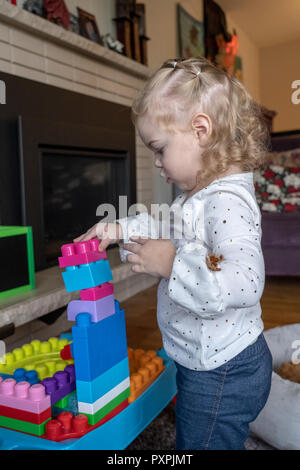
{"x": 30, "y": 376}
{"x": 23, "y": 375}
{"x": 89, "y": 392}
{"x": 86, "y": 276}
{"x": 98, "y": 346}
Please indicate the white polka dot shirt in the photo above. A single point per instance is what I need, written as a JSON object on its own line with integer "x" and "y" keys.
{"x": 208, "y": 317}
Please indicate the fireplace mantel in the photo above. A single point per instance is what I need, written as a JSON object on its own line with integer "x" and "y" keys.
{"x": 51, "y": 32}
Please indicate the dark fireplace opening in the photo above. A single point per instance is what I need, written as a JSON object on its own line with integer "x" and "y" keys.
{"x": 74, "y": 184}
{"x": 62, "y": 155}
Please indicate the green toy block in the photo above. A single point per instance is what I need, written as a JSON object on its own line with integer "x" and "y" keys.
{"x": 93, "y": 419}
{"x": 23, "y": 426}
{"x": 9, "y": 263}
{"x": 64, "y": 402}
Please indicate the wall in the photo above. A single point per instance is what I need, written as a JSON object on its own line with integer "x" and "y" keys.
{"x": 161, "y": 21}
{"x": 280, "y": 66}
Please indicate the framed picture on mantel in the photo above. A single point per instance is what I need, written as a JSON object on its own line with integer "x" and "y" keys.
{"x": 88, "y": 26}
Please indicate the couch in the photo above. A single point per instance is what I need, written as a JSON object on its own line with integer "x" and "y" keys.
{"x": 281, "y": 230}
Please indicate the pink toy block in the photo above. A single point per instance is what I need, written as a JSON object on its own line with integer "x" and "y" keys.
{"x": 98, "y": 309}
{"x": 96, "y": 293}
{"x": 74, "y": 254}
{"x": 24, "y": 397}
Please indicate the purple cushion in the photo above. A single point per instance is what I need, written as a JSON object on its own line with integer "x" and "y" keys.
{"x": 281, "y": 229}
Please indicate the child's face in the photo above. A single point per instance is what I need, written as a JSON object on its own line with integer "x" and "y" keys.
{"x": 177, "y": 155}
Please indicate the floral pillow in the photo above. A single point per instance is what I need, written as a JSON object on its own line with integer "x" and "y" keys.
{"x": 277, "y": 188}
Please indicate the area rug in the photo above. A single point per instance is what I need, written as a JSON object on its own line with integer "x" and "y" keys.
{"x": 160, "y": 435}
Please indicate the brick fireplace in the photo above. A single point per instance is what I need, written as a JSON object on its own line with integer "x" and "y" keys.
{"x": 44, "y": 53}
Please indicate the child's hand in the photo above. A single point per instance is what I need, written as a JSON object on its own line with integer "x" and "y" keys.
{"x": 109, "y": 233}
{"x": 154, "y": 257}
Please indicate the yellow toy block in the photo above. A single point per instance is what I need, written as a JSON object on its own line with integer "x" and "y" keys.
{"x": 44, "y": 357}
{"x": 144, "y": 368}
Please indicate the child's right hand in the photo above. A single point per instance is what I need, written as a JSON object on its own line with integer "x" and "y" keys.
{"x": 109, "y": 233}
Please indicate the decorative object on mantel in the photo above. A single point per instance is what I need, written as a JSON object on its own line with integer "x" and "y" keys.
{"x": 131, "y": 30}
{"x": 124, "y": 8}
{"x": 135, "y": 39}
{"x": 16, "y": 261}
{"x": 57, "y": 12}
{"x": 74, "y": 24}
{"x": 88, "y": 26}
{"x": 123, "y": 21}
{"x": 112, "y": 43}
{"x": 191, "y": 34}
{"x": 34, "y": 6}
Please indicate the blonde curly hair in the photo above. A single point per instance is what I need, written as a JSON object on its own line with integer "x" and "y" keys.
{"x": 181, "y": 88}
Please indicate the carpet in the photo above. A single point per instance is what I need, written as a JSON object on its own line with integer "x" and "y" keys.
{"x": 160, "y": 435}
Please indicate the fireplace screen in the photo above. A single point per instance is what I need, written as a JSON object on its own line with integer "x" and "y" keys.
{"x": 74, "y": 184}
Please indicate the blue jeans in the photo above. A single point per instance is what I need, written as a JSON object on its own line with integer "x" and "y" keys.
{"x": 214, "y": 408}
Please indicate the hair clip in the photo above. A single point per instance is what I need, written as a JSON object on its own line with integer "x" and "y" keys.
{"x": 174, "y": 63}
{"x": 198, "y": 73}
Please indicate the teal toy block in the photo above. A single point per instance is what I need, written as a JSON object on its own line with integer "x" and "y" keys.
{"x": 90, "y": 391}
{"x": 98, "y": 346}
{"x": 86, "y": 276}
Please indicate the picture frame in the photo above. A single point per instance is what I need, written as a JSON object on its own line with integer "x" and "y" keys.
{"x": 88, "y": 26}
{"x": 190, "y": 34}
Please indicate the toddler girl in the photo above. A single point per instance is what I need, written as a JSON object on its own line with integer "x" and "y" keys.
{"x": 207, "y": 136}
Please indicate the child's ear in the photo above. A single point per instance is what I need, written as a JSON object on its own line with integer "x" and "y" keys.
{"x": 202, "y": 126}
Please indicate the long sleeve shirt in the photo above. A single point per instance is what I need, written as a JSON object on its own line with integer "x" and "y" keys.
{"x": 208, "y": 317}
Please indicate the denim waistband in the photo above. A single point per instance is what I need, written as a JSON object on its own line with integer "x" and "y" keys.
{"x": 253, "y": 350}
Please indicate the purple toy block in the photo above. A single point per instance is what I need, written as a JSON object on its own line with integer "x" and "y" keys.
{"x": 96, "y": 293}
{"x": 99, "y": 309}
{"x": 74, "y": 254}
{"x": 61, "y": 384}
{"x": 23, "y": 397}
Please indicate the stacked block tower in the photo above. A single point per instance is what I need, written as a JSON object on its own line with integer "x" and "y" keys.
{"x": 99, "y": 346}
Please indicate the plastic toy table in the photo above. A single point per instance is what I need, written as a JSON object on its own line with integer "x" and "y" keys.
{"x": 118, "y": 432}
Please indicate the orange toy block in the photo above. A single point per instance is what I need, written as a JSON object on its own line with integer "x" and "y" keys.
{"x": 144, "y": 368}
